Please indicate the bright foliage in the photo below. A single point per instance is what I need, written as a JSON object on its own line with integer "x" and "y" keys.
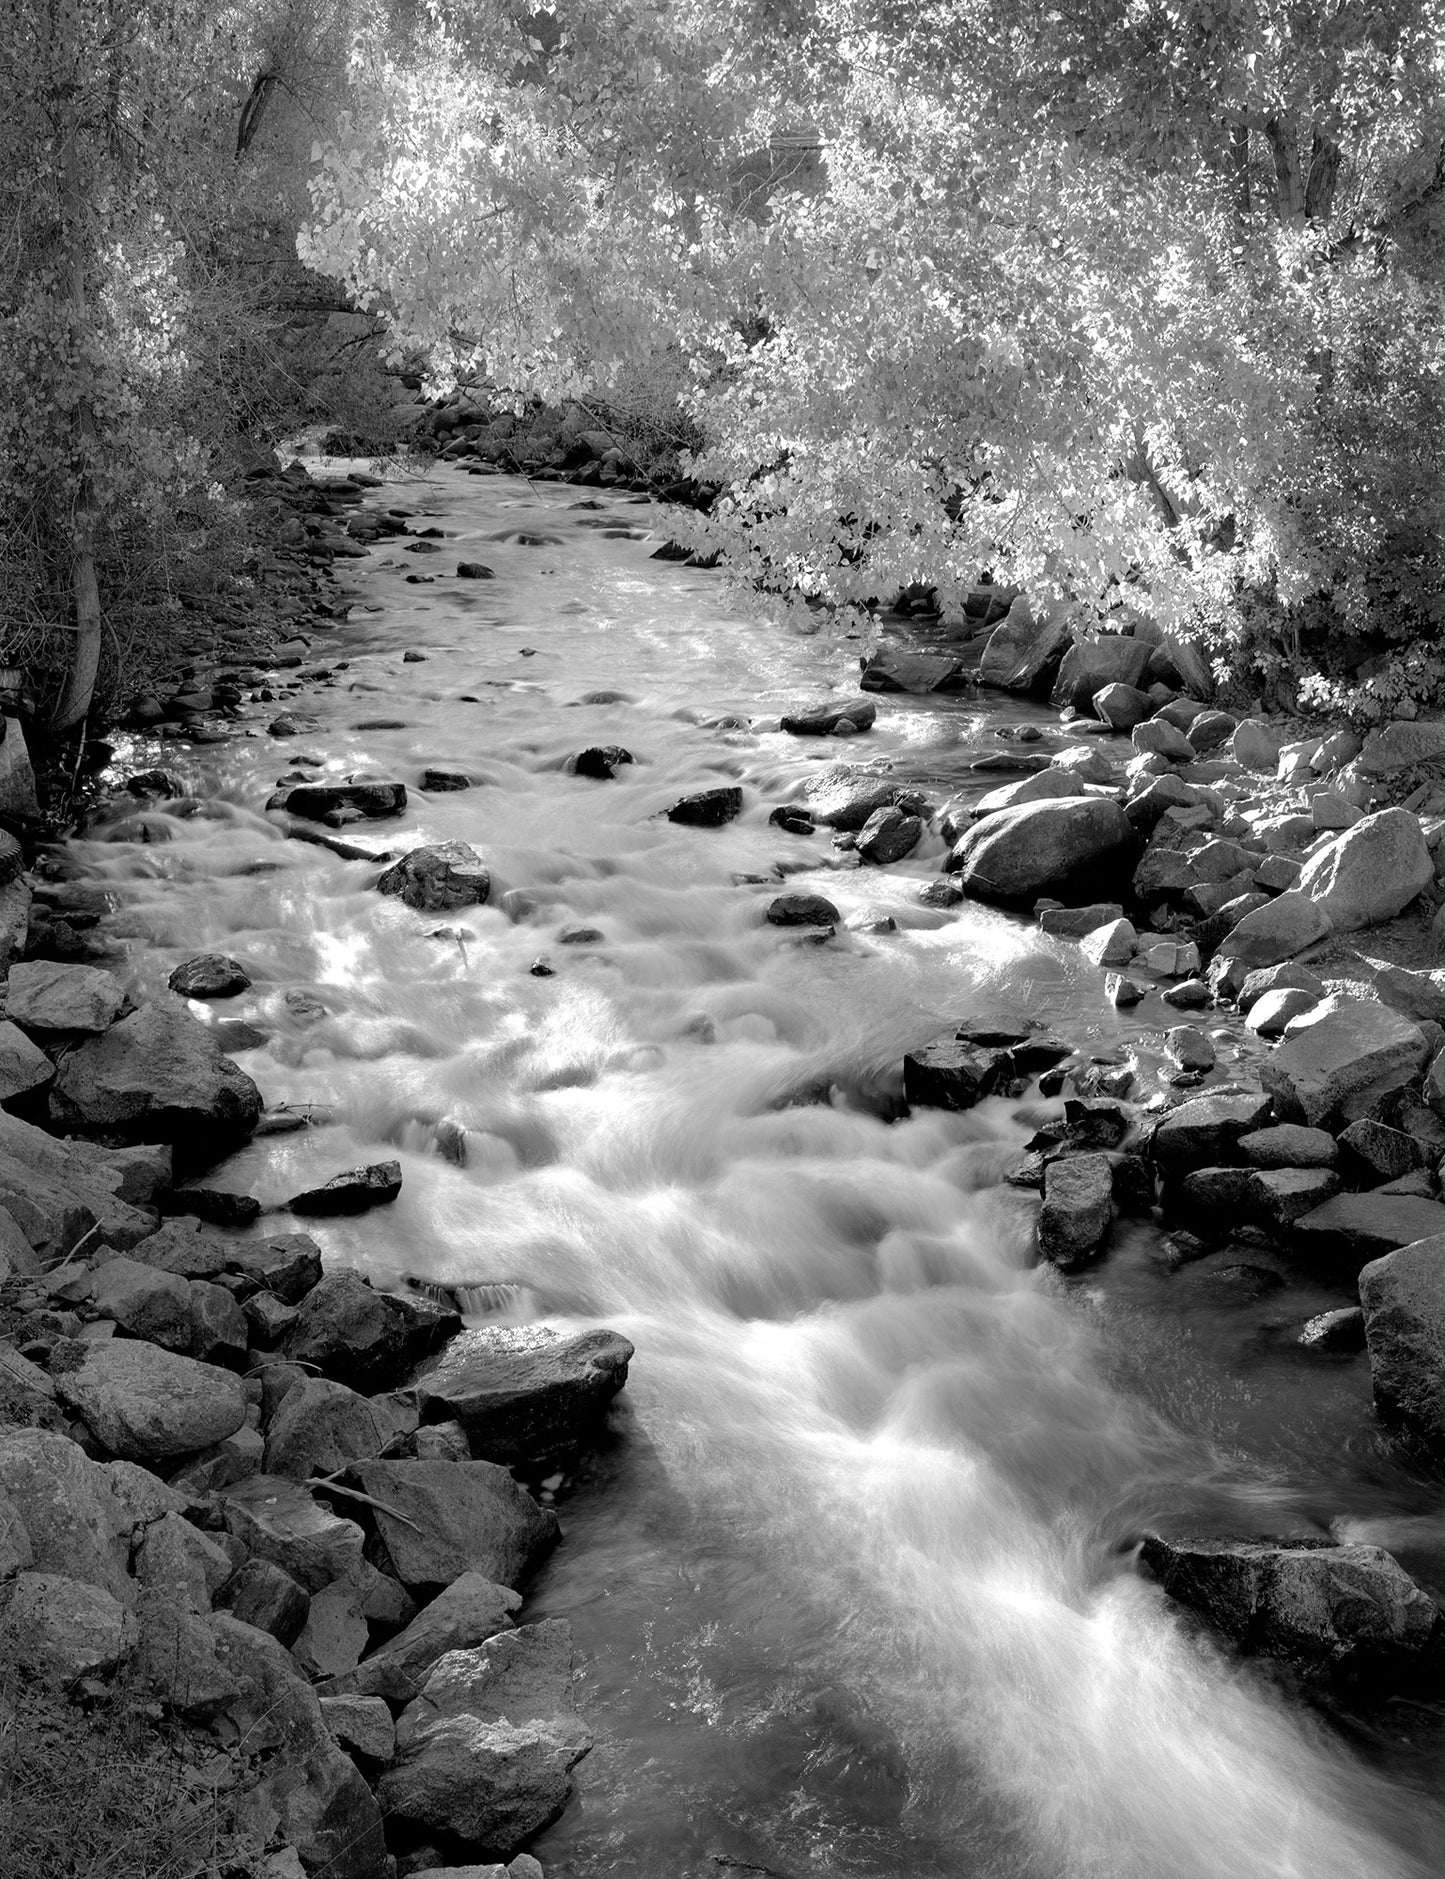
{"x": 1135, "y": 300}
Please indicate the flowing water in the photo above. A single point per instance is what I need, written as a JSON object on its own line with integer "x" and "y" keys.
{"x": 852, "y": 1581}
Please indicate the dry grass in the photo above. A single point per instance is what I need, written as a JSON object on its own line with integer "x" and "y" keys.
{"x": 98, "y": 1792}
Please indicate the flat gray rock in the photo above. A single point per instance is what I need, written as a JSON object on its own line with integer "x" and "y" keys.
{"x": 455, "y": 1517}
{"x": 147, "y": 1404}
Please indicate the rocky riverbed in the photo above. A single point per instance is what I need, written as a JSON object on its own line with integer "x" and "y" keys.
{"x": 299, "y": 1505}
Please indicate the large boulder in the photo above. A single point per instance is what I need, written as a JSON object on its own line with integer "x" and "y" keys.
{"x": 157, "y": 1076}
{"x": 485, "y": 1752}
{"x": 1097, "y": 660}
{"x": 1025, "y": 646}
{"x": 1207, "y": 1129}
{"x": 1344, "y": 1064}
{"x": 1401, "y": 745}
{"x": 438, "y": 878}
{"x": 1344, "y": 1611}
{"x": 842, "y": 796}
{"x": 151, "y": 1405}
{"x": 524, "y": 1393}
{"x": 1371, "y": 872}
{"x": 366, "y": 1339}
{"x": 466, "y": 1613}
{"x": 1057, "y": 848}
{"x": 439, "y": 1519}
{"x": 1044, "y": 786}
{"x": 1268, "y": 935}
{"x": 45, "y": 998}
{"x": 1403, "y": 1295}
{"x": 67, "y": 1510}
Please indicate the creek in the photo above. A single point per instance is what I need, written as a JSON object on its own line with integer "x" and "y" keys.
{"x": 852, "y": 1582}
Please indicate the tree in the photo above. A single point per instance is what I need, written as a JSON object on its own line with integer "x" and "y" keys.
{"x": 1115, "y": 301}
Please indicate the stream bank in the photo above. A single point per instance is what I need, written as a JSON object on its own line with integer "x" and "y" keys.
{"x": 627, "y": 1090}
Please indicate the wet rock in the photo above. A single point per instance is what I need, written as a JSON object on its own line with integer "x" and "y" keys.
{"x": 279, "y": 1520}
{"x": 145, "y": 1303}
{"x": 1349, "y": 1611}
{"x": 1024, "y": 647}
{"x": 322, "y": 1426}
{"x": 45, "y": 998}
{"x": 474, "y": 571}
{"x": 1268, "y": 1197}
{"x": 1092, "y": 662}
{"x": 1122, "y": 992}
{"x": 209, "y": 975}
{"x": 1345, "y": 1064}
{"x": 485, "y": 1752}
{"x": 1288, "y": 1145}
{"x": 1272, "y": 1013}
{"x": 1207, "y": 1129}
{"x": 219, "y": 1205}
{"x": 888, "y": 835}
{"x": 940, "y": 894}
{"x": 1356, "y": 1228}
{"x": 524, "y": 1393}
{"x": 1078, "y": 922}
{"x": 1371, "y": 872}
{"x": 261, "y": 1594}
{"x": 439, "y": 1519}
{"x": 362, "y": 1724}
{"x": 466, "y": 1613}
{"x": 829, "y": 716}
{"x": 1077, "y": 1209}
{"x": 147, "y": 1404}
{"x": 157, "y": 1076}
{"x": 294, "y": 724}
{"x": 896, "y": 669}
{"x": 366, "y": 798}
{"x": 1234, "y": 1284}
{"x": 954, "y": 1072}
{"x": 1189, "y": 1047}
{"x": 321, "y": 1805}
{"x": 792, "y": 821}
{"x": 439, "y": 877}
{"x": 843, "y": 796}
{"x": 1044, "y": 848}
{"x": 1403, "y": 1296}
{"x": 600, "y": 761}
{"x": 802, "y": 910}
{"x": 369, "y": 1340}
{"x": 1340, "y": 1332}
{"x": 61, "y": 1629}
{"x": 708, "y": 808}
{"x": 353, "y": 1192}
{"x": 441, "y": 782}
{"x": 23, "y": 1067}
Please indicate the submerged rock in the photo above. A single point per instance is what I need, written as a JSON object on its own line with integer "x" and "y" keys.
{"x": 829, "y": 716}
{"x": 209, "y": 975}
{"x": 802, "y": 910}
{"x": 1347, "y": 1611}
{"x": 365, "y": 797}
{"x": 708, "y": 808}
{"x": 439, "y": 877}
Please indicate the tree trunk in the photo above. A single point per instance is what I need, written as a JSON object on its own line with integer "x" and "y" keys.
{"x": 1324, "y": 174}
{"x": 74, "y": 706}
{"x": 1284, "y": 147}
